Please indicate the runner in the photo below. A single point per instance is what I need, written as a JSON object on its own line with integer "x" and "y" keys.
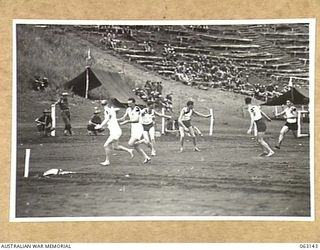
{"x": 133, "y": 112}
{"x": 256, "y": 118}
{"x": 147, "y": 118}
{"x": 291, "y": 114}
{"x": 185, "y": 124}
{"x": 110, "y": 119}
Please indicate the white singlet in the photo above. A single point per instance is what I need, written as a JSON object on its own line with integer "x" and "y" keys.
{"x": 255, "y": 112}
{"x": 112, "y": 123}
{"x": 136, "y": 128}
{"x": 291, "y": 114}
{"x": 186, "y": 114}
{"x": 147, "y": 116}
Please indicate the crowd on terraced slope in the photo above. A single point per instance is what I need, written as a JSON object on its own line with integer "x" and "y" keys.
{"x": 193, "y": 55}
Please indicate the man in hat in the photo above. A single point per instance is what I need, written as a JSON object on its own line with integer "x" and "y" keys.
{"x": 110, "y": 119}
{"x": 95, "y": 120}
{"x": 65, "y": 113}
{"x": 44, "y": 123}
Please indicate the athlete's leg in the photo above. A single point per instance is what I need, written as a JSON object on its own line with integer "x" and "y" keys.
{"x": 118, "y": 147}
{"x": 194, "y": 138}
{"x": 197, "y": 131}
{"x": 295, "y": 133}
{"x": 283, "y": 131}
{"x": 107, "y": 148}
{"x": 132, "y": 143}
{"x": 263, "y": 143}
{"x": 152, "y": 140}
{"x": 182, "y": 134}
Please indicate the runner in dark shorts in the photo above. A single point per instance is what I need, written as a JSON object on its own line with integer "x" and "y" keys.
{"x": 291, "y": 114}
{"x": 261, "y": 125}
{"x": 256, "y": 116}
{"x": 184, "y": 122}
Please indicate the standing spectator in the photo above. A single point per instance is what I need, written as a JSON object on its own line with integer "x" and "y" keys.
{"x": 44, "y": 123}
{"x": 65, "y": 113}
{"x": 159, "y": 87}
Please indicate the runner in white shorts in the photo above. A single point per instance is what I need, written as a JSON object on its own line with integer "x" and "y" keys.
{"x": 110, "y": 119}
{"x": 133, "y": 112}
{"x": 291, "y": 114}
{"x": 184, "y": 121}
{"x": 147, "y": 118}
{"x": 256, "y": 118}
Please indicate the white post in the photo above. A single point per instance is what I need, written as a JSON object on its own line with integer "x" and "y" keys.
{"x": 26, "y": 163}
{"x": 162, "y": 122}
{"x": 299, "y": 132}
{"x": 255, "y": 129}
{"x": 53, "y": 117}
{"x": 211, "y": 122}
{"x": 87, "y": 82}
{"x": 275, "y": 110}
{"x": 299, "y": 124}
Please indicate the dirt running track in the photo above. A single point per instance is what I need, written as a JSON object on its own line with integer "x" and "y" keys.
{"x": 227, "y": 178}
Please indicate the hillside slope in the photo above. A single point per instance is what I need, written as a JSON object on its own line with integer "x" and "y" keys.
{"x": 60, "y": 56}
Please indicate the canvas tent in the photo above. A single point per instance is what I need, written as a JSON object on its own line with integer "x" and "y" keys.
{"x": 113, "y": 86}
{"x": 296, "y": 96}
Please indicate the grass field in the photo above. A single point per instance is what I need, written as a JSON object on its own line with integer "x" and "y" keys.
{"x": 226, "y": 178}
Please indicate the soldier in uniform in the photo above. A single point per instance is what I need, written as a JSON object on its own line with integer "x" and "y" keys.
{"x": 65, "y": 113}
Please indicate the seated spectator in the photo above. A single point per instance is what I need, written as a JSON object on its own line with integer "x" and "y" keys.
{"x": 95, "y": 120}
{"x": 39, "y": 84}
{"x": 44, "y": 123}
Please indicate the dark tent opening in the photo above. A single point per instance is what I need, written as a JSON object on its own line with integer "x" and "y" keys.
{"x": 107, "y": 84}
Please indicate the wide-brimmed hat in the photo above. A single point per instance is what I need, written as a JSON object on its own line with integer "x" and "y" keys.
{"x": 104, "y": 102}
{"x": 97, "y": 111}
{"x": 65, "y": 94}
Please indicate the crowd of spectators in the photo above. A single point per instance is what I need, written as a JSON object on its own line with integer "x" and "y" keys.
{"x": 152, "y": 92}
{"x": 202, "y": 71}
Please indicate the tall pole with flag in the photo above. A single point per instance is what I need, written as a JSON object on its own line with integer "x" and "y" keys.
{"x": 87, "y": 73}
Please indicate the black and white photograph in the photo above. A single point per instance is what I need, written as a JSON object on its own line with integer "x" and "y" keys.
{"x": 163, "y": 120}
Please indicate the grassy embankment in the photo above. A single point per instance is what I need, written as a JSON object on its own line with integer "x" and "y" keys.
{"x": 50, "y": 53}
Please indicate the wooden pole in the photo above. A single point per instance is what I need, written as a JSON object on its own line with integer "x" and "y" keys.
{"x": 87, "y": 82}
{"x": 26, "y": 163}
{"x": 211, "y": 123}
{"x": 53, "y": 117}
{"x": 163, "y": 122}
